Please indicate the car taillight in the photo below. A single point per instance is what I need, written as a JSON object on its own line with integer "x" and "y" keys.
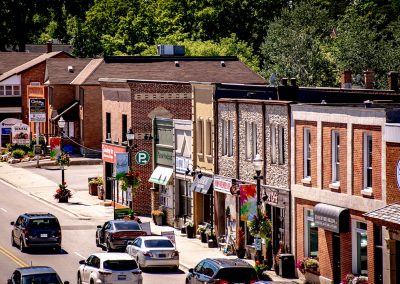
{"x": 115, "y": 235}
{"x": 104, "y": 273}
{"x": 220, "y": 281}
{"x": 253, "y": 281}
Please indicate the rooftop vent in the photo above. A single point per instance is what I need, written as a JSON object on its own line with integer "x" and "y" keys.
{"x": 368, "y": 103}
{"x": 223, "y": 64}
{"x": 71, "y": 69}
{"x": 169, "y": 49}
{"x": 176, "y": 63}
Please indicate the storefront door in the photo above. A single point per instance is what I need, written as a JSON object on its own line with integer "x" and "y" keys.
{"x": 109, "y": 185}
{"x": 336, "y": 258}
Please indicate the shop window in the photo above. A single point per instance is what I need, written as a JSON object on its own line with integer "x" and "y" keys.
{"x": 200, "y": 136}
{"x": 307, "y": 153}
{"x": 185, "y": 199}
{"x": 281, "y": 148}
{"x": 368, "y": 162}
{"x": 273, "y": 144}
{"x": 335, "y": 157}
{"x": 310, "y": 234}
{"x": 251, "y": 140}
{"x": 165, "y": 196}
{"x": 359, "y": 245}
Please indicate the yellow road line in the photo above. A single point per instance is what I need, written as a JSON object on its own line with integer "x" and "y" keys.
{"x": 13, "y": 257}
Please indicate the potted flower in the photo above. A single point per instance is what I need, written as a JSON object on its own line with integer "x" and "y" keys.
{"x": 158, "y": 216}
{"x": 240, "y": 249}
{"x": 352, "y": 279}
{"x": 211, "y": 240}
{"x": 189, "y": 229}
{"x": 62, "y": 193}
{"x": 260, "y": 267}
{"x": 94, "y": 183}
{"x": 310, "y": 268}
{"x": 130, "y": 180}
{"x": 201, "y": 229}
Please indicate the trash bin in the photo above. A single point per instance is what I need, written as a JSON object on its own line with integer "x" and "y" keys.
{"x": 287, "y": 265}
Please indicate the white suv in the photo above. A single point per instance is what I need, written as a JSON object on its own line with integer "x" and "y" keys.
{"x": 109, "y": 268}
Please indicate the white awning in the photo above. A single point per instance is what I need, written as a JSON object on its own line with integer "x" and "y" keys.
{"x": 161, "y": 175}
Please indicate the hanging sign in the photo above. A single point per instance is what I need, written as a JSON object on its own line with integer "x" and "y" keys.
{"x": 20, "y": 134}
{"x": 398, "y": 174}
{"x": 37, "y": 110}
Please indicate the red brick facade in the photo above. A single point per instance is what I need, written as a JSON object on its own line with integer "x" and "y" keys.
{"x": 299, "y": 133}
{"x": 91, "y": 117}
{"x": 392, "y": 157}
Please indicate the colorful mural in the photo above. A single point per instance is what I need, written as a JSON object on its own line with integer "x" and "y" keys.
{"x": 248, "y": 201}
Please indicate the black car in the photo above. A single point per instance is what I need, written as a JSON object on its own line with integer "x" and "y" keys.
{"x": 222, "y": 271}
{"x": 36, "y": 230}
{"x": 35, "y": 274}
{"x": 115, "y": 234}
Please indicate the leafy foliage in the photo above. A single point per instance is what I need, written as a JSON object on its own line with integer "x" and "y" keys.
{"x": 130, "y": 179}
{"x": 261, "y": 225}
{"x": 62, "y": 191}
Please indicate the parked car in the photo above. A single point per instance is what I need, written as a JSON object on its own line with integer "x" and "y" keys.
{"x": 115, "y": 234}
{"x": 154, "y": 251}
{"x": 35, "y": 274}
{"x": 109, "y": 268}
{"x": 36, "y": 230}
{"x": 222, "y": 271}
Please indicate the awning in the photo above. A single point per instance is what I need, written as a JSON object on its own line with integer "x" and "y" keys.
{"x": 67, "y": 112}
{"x": 388, "y": 216}
{"x": 332, "y": 218}
{"x": 202, "y": 185}
{"x": 161, "y": 175}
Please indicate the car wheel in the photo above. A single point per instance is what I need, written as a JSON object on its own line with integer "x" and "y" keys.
{"x": 58, "y": 249}
{"x": 175, "y": 268}
{"x": 108, "y": 246}
{"x": 22, "y": 247}
{"x": 13, "y": 240}
{"x": 79, "y": 281}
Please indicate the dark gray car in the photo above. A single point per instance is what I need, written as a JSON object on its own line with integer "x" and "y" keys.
{"x": 36, "y": 275}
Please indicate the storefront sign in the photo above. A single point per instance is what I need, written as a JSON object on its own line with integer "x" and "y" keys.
{"x": 331, "y": 218}
{"x": 108, "y": 152}
{"x": 142, "y": 158}
{"x": 6, "y": 131}
{"x": 181, "y": 164}
{"x": 270, "y": 197}
{"x": 37, "y": 110}
{"x": 222, "y": 185}
{"x": 398, "y": 174}
{"x": 20, "y": 134}
{"x": 164, "y": 157}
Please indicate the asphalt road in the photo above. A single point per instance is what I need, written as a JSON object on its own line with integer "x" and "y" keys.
{"x": 78, "y": 235}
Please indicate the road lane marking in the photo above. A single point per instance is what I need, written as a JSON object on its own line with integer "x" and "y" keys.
{"x": 3, "y": 209}
{"x": 78, "y": 254}
{"x": 13, "y": 257}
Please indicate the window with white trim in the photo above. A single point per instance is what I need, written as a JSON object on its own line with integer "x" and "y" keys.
{"x": 230, "y": 138}
{"x": 200, "y": 136}
{"x": 273, "y": 143}
{"x": 335, "y": 157}
{"x": 208, "y": 138}
{"x": 10, "y": 90}
{"x": 367, "y": 162}
{"x": 359, "y": 247}
{"x": 310, "y": 234}
{"x": 224, "y": 137}
{"x": 307, "y": 152}
{"x": 251, "y": 140}
{"x": 281, "y": 148}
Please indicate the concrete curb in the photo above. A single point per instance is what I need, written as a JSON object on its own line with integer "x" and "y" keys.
{"x": 47, "y": 162}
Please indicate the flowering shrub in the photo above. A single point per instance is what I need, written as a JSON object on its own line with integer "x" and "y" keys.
{"x": 260, "y": 268}
{"x": 62, "y": 191}
{"x": 129, "y": 179}
{"x": 352, "y": 279}
{"x": 201, "y": 229}
{"x": 189, "y": 223}
{"x": 308, "y": 264}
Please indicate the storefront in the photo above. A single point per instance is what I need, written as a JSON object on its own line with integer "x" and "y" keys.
{"x": 109, "y": 163}
{"x": 202, "y": 189}
{"x": 5, "y": 130}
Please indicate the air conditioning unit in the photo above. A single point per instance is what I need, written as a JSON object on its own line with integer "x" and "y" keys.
{"x": 165, "y": 49}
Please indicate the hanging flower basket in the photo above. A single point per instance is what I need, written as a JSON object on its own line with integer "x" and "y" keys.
{"x": 130, "y": 179}
{"x": 63, "y": 159}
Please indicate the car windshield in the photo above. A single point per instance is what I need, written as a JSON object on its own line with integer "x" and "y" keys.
{"x": 120, "y": 265}
{"x": 127, "y": 226}
{"x": 43, "y": 223}
{"x": 158, "y": 244}
{"x": 237, "y": 274}
{"x": 47, "y": 278}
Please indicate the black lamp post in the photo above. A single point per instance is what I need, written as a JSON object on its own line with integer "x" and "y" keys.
{"x": 258, "y": 165}
{"x": 61, "y": 125}
{"x": 130, "y": 136}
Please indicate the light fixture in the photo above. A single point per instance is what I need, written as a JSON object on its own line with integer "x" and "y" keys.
{"x": 61, "y": 122}
{"x": 130, "y": 136}
{"x": 187, "y": 171}
{"x": 200, "y": 174}
{"x": 258, "y": 163}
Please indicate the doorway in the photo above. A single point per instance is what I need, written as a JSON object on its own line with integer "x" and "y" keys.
{"x": 397, "y": 261}
{"x": 109, "y": 183}
{"x": 336, "y": 258}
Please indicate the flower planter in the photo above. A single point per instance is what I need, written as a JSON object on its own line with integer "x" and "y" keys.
{"x": 203, "y": 237}
{"x": 190, "y": 232}
{"x": 311, "y": 277}
{"x": 63, "y": 199}
{"x": 93, "y": 189}
{"x": 240, "y": 253}
{"x": 159, "y": 220}
{"x": 212, "y": 243}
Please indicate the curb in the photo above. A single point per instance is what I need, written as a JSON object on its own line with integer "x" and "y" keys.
{"x": 46, "y": 163}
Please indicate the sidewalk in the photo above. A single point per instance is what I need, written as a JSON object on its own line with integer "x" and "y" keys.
{"x": 84, "y": 206}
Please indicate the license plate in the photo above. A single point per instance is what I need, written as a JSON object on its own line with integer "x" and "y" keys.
{"x": 162, "y": 255}
{"x": 121, "y": 277}
{"x": 43, "y": 235}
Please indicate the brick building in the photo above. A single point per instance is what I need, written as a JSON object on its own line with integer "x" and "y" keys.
{"x": 339, "y": 174}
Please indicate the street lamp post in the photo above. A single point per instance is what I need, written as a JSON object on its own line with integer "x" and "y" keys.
{"x": 130, "y": 136}
{"x": 61, "y": 125}
{"x": 258, "y": 165}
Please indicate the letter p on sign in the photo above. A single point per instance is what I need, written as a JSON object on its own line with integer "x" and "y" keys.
{"x": 142, "y": 158}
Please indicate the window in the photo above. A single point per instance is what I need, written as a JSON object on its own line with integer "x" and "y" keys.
{"x": 359, "y": 245}
{"x": 273, "y": 144}
{"x": 16, "y": 90}
{"x": 281, "y": 141}
{"x": 307, "y": 153}
{"x": 108, "y": 125}
{"x": 367, "y": 162}
{"x": 251, "y": 140}
{"x": 124, "y": 127}
{"x": 1, "y": 90}
{"x": 230, "y": 138}
{"x": 200, "y": 136}
{"x": 51, "y": 96}
{"x": 81, "y": 96}
{"x": 8, "y": 90}
{"x": 208, "y": 138}
{"x": 335, "y": 157}
{"x": 224, "y": 138}
{"x": 310, "y": 234}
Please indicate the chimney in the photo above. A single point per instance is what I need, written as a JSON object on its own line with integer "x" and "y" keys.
{"x": 293, "y": 81}
{"x": 49, "y": 46}
{"x": 393, "y": 80}
{"x": 284, "y": 81}
{"x": 369, "y": 79}
{"x": 345, "y": 80}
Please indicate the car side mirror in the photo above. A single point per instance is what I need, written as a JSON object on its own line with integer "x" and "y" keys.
{"x": 82, "y": 262}
{"x": 191, "y": 270}
{"x": 12, "y": 223}
{"x": 98, "y": 227}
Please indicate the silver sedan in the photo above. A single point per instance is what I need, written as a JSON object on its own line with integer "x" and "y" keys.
{"x": 154, "y": 251}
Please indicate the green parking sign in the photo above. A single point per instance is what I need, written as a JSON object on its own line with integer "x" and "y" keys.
{"x": 142, "y": 158}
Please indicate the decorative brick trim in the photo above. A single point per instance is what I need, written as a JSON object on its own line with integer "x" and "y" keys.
{"x": 162, "y": 96}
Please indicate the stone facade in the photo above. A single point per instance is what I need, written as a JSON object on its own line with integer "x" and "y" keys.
{"x": 226, "y": 164}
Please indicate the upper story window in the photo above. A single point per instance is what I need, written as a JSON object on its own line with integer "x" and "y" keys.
{"x": 230, "y": 138}
{"x": 200, "y": 136}
{"x": 335, "y": 157}
{"x": 10, "y": 90}
{"x": 108, "y": 125}
{"x": 367, "y": 162}
{"x": 227, "y": 138}
{"x": 251, "y": 140}
{"x": 307, "y": 153}
{"x": 273, "y": 144}
{"x": 124, "y": 127}
{"x": 208, "y": 138}
{"x": 281, "y": 145}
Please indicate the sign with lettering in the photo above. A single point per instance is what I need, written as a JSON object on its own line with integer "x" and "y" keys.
{"x": 109, "y": 150}
{"x": 37, "y": 110}
{"x": 164, "y": 157}
{"x": 327, "y": 223}
{"x": 222, "y": 185}
{"x": 20, "y": 134}
{"x": 270, "y": 197}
